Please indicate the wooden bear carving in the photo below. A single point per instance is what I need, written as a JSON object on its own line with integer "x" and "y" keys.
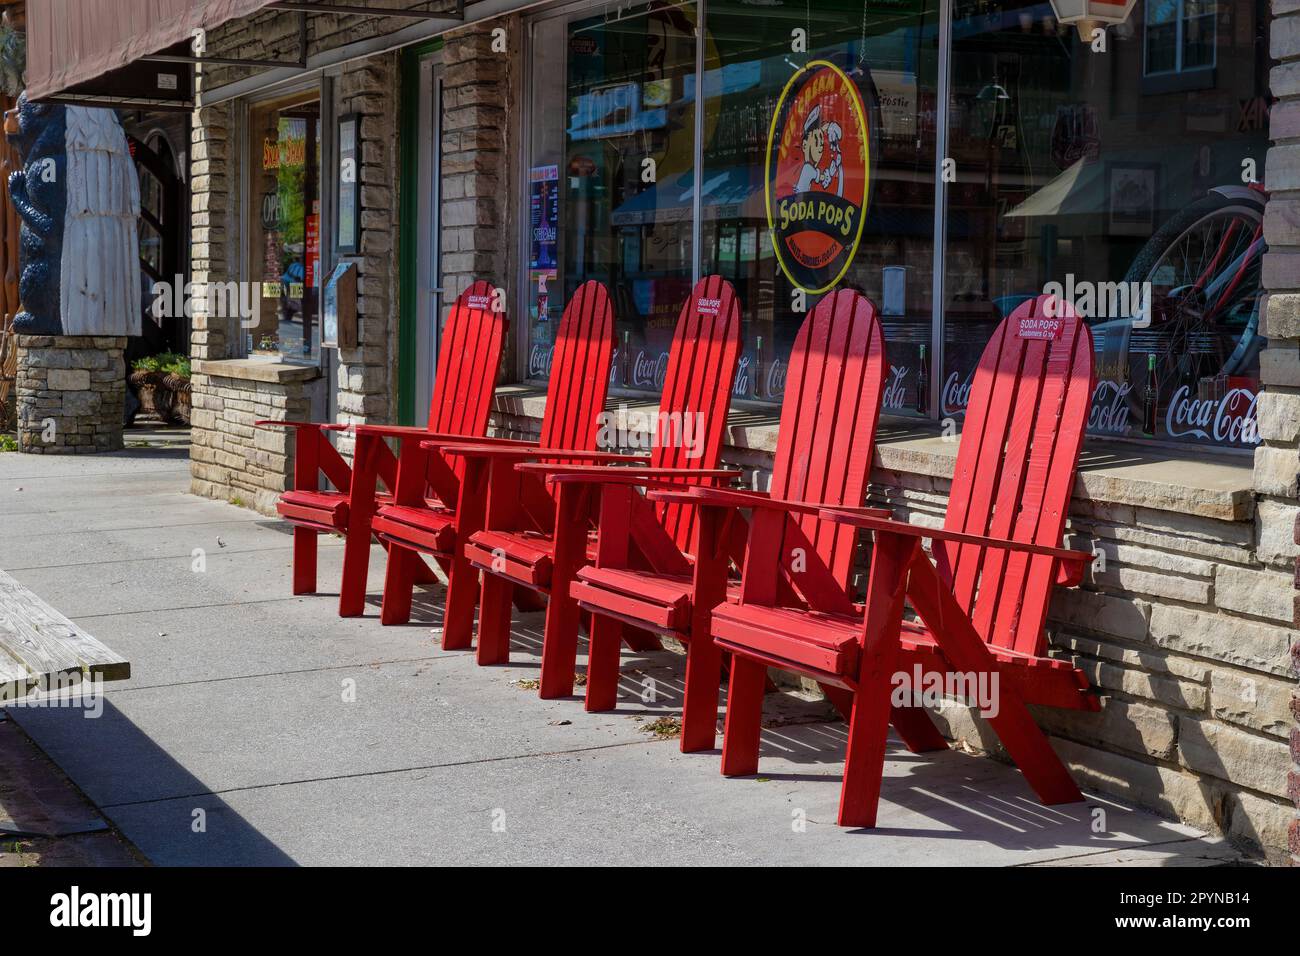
{"x": 79, "y": 199}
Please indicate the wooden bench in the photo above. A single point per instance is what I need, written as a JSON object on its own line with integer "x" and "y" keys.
{"x": 42, "y": 649}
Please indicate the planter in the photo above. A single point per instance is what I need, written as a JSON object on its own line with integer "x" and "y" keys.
{"x": 180, "y": 388}
{"x": 164, "y": 395}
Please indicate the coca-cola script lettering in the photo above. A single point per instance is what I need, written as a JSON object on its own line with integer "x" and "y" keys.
{"x": 1229, "y": 420}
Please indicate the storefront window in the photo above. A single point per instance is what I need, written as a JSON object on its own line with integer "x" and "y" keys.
{"x": 819, "y": 142}
{"x": 1138, "y": 201}
{"x": 1116, "y": 167}
{"x": 610, "y": 177}
{"x": 284, "y": 231}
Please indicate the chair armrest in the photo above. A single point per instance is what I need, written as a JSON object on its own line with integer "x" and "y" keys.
{"x": 396, "y": 431}
{"x": 322, "y": 426}
{"x": 622, "y": 474}
{"x": 524, "y": 452}
{"x": 743, "y": 498}
{"x": 444, "y": 442}
{"x": 862, "y": 520}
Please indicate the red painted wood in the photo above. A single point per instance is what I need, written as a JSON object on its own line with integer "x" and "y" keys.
{"x": 864, "y": 758}
{"x": 473, "y": 338}
{"x": 828, "y": 421}
{"x": 488, "y": 491}
{"x": 982, "y": 602}
{"x": 458, "y": 399}
{"x": 1015, "y": 470}
{"x": 694, "y": 405}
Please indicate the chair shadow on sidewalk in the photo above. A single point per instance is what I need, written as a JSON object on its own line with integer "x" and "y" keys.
{"x": 949, "y": 796}
{"x": 952, "y": 795}
{"x": 167, "y": 813}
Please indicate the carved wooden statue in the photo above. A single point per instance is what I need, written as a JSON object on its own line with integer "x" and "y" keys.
{"x": 79, "y": 200}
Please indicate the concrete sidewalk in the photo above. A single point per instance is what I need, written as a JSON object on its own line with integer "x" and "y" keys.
{"x": 260, "y": 728}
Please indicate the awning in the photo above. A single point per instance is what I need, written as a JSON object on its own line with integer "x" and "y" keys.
{"x": 90, "y": 50}
{"x": 70, "y": 42}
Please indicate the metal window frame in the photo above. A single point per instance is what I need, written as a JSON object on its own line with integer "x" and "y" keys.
{"x": 322, "y": 86}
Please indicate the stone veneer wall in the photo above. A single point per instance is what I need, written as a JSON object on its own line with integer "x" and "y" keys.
{"x": 367, "y": 374}
{"x": 229, "y": 458}
{"x": 77, "y": 384}
{"x": 477, "y": 162}
{"x": 1277, "y": 461}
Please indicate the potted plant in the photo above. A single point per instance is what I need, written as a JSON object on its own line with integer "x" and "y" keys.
{"x": 162, "y": 383}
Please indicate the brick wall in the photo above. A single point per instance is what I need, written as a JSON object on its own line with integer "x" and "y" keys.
{"x": 1278, "y": 459}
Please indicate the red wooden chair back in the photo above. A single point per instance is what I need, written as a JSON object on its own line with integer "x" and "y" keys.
{"x": 832, "y": 401}
{"x": 580, "y": 361}
{"x": 472, "y": 341}
{"x": 697, "y": 394}
{"x": 1015, "y": 468}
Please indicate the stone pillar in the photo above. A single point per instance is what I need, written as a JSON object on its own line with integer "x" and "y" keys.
{"x": 71, "y": 393}
{"x": 367, "y": 372}
{"x": 1277, "y": 460}
{"x": 480, "y": 105}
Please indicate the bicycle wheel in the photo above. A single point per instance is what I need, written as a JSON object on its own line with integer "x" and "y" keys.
{"x": 1203, "y": 266}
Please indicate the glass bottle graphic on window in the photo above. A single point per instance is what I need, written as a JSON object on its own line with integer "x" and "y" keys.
{"x": 923, "y": 385}
{"x": 1149, "y": 399}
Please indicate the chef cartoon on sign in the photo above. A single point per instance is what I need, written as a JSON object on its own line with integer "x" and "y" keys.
{"x": 816, "y": 137}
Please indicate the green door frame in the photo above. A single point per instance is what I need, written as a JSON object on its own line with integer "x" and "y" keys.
{"x": 408, "y": 240}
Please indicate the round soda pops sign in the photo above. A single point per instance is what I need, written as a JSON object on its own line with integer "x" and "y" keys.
{"x": 817, "y": 176}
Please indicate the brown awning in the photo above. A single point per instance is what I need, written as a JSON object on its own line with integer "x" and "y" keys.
{"x": 70, "y": 42}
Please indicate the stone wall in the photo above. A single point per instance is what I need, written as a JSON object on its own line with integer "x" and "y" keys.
{"x": 1278, "y": 460}
{"x": 478, "y": 224}
{"x": 230, "y": 459}
{"x": 367, "y": 375}
{"x": 71, "y": 393}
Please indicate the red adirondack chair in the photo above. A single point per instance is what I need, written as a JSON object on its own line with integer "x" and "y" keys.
{"x": 410, "y": 526}
{"x": 696, "y": 396}
{"x": 473, "y": 338}
{"x": 981, "y": 603}
{"x": 823, "y": 456}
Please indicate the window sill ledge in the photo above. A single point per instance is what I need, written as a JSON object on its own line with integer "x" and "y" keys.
{"x": 256, "y": 370}
{"x": 1207, "y": 485}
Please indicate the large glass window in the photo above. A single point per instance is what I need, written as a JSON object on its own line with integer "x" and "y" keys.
{"x": 1118, "y": 169}
{"x": 613, "y": 126}
{"x": 284, "y": 230}
{"x": 818, "y": 172}
{"x": 1138, "y": 202}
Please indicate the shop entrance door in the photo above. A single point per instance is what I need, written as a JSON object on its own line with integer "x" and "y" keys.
{"x": 428, "y": 272}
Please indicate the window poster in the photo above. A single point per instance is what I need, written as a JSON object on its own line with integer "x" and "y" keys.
{"x": 544, "y": 213}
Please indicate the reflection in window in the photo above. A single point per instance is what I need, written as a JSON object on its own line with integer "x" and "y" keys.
{"x": 1179, "y": 35}
{"x": 1127, "y": 182}
{"x": 1136, "y": 205}
{"x": 610, "y": 185}
{"x": 284, "y": 213}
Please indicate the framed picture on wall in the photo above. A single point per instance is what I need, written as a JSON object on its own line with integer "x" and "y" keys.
{"x": 348, "y": 239}
{"x": 1132, "y": 192}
